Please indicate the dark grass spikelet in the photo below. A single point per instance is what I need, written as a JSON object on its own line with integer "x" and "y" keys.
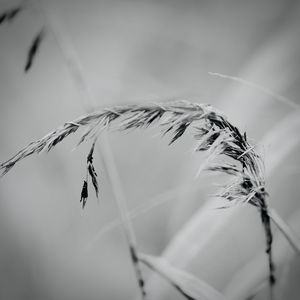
{"x": 84, "y": 193}
{"x": 91, "y": 170}
{"x": 92, "y": 173}
{"x": 35, "y": 45}
{"x": 10, "y": 15}
{"x": 179, "y": 130}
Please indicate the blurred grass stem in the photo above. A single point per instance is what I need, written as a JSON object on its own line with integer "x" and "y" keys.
{"x": 88, "y": 102}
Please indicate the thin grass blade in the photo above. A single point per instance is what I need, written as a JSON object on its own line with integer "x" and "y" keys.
{"x": 188, "y": 285}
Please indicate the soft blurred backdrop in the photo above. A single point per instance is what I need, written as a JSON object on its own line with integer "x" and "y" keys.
{"x": 136, "y": 52}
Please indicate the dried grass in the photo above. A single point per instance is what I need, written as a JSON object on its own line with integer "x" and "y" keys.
{"x": 212, "y": 132}
{"x": 189, "y": 286}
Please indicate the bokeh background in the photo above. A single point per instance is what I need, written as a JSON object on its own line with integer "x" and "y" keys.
{"x": 138, "y": 52}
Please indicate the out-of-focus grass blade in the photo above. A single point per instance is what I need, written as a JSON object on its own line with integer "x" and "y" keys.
{"x": 10, "y": 14}
{"x": 281, "y": 140}
{"x": 188, "y": 285}
{"x": 281, "y": 283}
{"x": 34, "y": 48}
{"x": 263, "y": 89}
{"x": 142, "y": 209}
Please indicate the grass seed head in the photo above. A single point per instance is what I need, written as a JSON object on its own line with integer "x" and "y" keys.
{"x": 214, "y": 133}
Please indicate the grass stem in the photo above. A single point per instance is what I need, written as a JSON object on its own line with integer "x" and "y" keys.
{"x": 75, "y": 69}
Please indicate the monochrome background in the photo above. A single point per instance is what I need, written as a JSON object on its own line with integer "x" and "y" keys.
{"x": 138, "y": 52}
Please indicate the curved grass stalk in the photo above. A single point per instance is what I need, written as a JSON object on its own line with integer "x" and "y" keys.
{"x": 283, "y": 139}
{"x": 213, "y": 132}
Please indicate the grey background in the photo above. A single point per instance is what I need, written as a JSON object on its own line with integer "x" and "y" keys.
{"x": 135, "y": 52}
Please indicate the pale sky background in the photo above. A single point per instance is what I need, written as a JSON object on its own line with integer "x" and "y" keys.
{"x": 134, "y": 52}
